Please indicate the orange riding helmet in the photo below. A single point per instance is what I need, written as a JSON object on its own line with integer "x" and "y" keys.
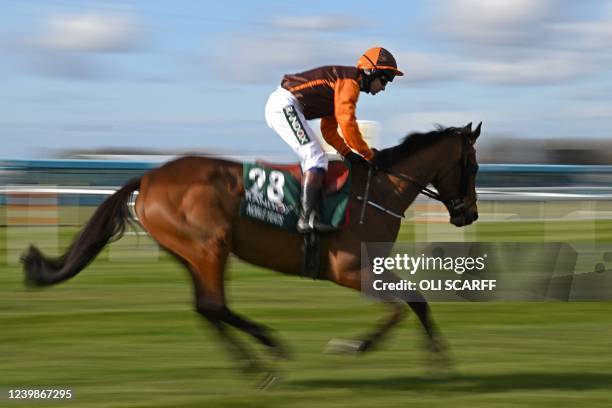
{"x": 378, "y": 58}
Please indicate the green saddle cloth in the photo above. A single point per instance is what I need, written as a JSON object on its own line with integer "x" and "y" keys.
{"x": 272, "y": 196}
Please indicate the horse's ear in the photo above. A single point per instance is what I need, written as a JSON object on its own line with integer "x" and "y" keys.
{"x": 468, "y": 127}
{"x": 476, "y": 131}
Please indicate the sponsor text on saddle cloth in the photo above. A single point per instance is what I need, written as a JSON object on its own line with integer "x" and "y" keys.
{"x": 272, "y": 194}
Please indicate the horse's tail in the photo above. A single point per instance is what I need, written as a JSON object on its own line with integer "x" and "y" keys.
{"x": 107, "y": 224}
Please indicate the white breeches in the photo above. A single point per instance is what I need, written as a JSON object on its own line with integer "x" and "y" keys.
{"x": 284, "y": 115}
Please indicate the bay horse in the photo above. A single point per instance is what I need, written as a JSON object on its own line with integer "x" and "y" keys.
{"x": 190, "y": 206}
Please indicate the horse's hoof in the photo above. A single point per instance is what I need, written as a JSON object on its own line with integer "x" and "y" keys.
{"x": 345, "y": 346}
{"x": 269, "y": 379}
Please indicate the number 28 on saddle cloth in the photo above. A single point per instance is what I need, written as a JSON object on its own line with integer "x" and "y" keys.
{"x": 272, "y": 194}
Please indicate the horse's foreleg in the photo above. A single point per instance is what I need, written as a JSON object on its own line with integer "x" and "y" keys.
{"x": 420, "y": 307}
{"x": 372, "y": 339}
{"x": 441, "y": 360}
{"x": 418, "y": 304}
{"x": 352, "y": 279}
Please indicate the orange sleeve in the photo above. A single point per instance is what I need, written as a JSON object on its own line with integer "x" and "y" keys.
{"x": 329, "y": 129}
{"x": 345, "y": 99}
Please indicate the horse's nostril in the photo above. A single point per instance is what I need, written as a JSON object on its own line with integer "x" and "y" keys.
{"x": 475, "y": 217}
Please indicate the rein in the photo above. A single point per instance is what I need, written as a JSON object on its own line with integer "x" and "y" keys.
{"x": 426, "y": 191}
{"x": 422, "y": 190}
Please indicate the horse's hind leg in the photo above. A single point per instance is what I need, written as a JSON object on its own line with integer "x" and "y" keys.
{"x": 207, "y": 271}
{"x": 259, "y": 332}
{"x": 206, "y": 259}
{"x": 236, "y": 348}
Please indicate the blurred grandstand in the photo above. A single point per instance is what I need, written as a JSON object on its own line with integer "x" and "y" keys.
{"x": 565, "y": 179}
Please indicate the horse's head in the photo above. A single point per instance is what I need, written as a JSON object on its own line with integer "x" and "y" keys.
{"x": 456, "y": 177}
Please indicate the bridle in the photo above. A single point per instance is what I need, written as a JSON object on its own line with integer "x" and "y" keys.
{"x": 455, "y": 205}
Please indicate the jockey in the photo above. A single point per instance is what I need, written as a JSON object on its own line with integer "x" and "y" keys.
{"x": 329, "y": 93}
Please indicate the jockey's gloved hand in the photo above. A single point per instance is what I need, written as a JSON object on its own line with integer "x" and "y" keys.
{"x": 356, "y": 159}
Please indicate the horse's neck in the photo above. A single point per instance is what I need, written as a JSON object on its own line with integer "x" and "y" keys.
{"x": 427, "y": 162}
{"x": 422, "y": 168}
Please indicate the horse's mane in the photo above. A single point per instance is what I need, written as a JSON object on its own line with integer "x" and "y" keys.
{"x": 412, "y": 143}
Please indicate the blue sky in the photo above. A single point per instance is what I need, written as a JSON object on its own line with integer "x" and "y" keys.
{"x": 196, "y": 74}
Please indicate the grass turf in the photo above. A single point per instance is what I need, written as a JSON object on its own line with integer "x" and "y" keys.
{"x": 123, "y": 334}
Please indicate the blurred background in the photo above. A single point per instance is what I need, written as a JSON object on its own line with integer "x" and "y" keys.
{"x": 149, "y": 75}
{"x": 96, "y": 92}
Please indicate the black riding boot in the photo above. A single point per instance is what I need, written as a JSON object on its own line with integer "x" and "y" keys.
{"x": 311, "y": 192}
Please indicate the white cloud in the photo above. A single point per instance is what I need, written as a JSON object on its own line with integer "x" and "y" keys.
{"x": 521, "y": 68}
{"x": 507, "y": 26}
{"x": 524, "y": 42}
{"x": 585, "y": 35}
{"x": 71, "y": 46}
{"x": 509, "y": 42}
{"x": 89, "y": 33}
{"x": 498, "y": 12}
{"x": 530, "y": 70}
{"x": 265, "y": 58}
{"x": 495, "y": 22}
{"x": 317, "y": 23}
